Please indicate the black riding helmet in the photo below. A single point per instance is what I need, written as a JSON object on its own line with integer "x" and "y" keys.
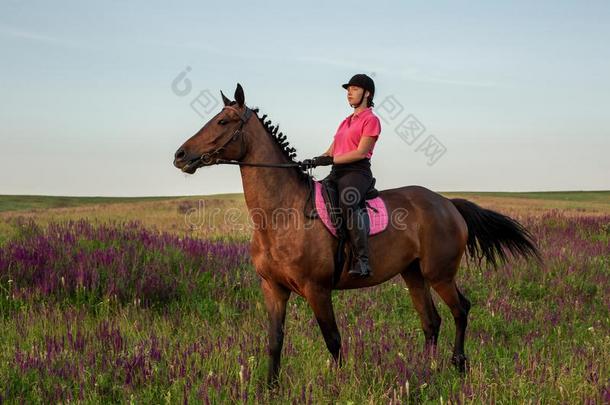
{"x": 364, "y": 81}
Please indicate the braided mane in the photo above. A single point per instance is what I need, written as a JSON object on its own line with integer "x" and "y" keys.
{"x": 280, "y": 139}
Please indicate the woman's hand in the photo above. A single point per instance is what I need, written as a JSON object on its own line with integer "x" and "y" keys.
{"x": 323, "y": 160}
{"x": 317, "y": 161}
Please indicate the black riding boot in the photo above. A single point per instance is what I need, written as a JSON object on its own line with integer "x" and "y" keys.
{"x": 358, "y": 231}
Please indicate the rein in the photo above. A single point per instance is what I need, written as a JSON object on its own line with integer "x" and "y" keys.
{"x": 207, "y": 159}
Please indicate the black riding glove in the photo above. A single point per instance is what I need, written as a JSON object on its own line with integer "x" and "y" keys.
{"x": 317, "y": 161}
{"x": 323, "y": 160}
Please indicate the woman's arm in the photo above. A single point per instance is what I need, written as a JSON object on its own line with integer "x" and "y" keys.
{"x": 329, "y": 151}
{"x": 365, "y": 145}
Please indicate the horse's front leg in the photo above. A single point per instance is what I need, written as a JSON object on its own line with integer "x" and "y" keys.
{"x": 321, "y": 303}
{"x": 276, "y": 297}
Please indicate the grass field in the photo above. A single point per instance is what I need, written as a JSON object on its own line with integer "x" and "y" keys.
{"x": 33, "y": 202}
{"x": 580, "y": 196}
{"x": 155, "y": 301}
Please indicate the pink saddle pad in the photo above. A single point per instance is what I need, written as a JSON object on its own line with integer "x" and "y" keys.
{"x": 378, "y": 219}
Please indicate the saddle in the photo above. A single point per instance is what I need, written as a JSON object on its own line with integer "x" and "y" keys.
{"x": 328, "y": 209}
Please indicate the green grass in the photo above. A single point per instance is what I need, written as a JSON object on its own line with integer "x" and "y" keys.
{"x": 534, "y": 336}
{"x": 602, "y": 196}
{"x": 29, "y": 202}
{"x": 512, "y": 360}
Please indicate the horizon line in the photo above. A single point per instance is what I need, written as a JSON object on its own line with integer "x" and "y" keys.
{"x": 237, "y": 193}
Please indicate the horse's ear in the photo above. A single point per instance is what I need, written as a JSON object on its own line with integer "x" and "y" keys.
{"x": 239, "y": 95}
{"x": 225, "y": 100}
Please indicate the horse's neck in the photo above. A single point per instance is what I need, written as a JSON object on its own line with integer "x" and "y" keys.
{"x": 269, "y": 188}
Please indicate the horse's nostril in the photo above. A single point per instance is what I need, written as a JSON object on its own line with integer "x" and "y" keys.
{"x": 180, "y": 154}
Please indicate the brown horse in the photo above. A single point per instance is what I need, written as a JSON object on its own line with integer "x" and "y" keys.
{"x": 298, "y": 254}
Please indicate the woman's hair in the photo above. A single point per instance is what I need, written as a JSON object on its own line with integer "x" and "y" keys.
{"x": 369, "y": 102}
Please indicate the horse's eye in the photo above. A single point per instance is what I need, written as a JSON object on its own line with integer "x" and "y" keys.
{"x": 222, "y": 122}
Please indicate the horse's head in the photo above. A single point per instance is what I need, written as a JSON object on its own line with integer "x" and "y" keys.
{"x": 220, "y": 138}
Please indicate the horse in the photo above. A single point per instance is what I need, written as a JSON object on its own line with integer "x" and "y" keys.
{"x": 298, "y": 257}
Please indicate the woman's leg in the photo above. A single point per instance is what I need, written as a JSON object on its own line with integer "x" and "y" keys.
{"x": 352, "y": 187}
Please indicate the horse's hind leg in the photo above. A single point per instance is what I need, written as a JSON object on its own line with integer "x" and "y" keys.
{"x": 419, "y": 289}
{"x": 459, "y": 306}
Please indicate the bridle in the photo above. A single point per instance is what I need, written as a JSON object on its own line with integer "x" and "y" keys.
{"x": 206, "y": 158}
{"x": 210, "y": 157}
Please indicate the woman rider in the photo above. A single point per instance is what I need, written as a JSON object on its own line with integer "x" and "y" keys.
{"x": 350, "y": 154}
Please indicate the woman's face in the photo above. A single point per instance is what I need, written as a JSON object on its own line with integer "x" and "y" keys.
{"x": 354, "y": 94}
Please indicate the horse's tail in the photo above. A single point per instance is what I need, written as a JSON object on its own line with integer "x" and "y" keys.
{"x": 490, "y": 233}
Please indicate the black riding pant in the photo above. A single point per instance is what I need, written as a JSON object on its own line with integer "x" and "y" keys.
{"x": 352, "y": 181}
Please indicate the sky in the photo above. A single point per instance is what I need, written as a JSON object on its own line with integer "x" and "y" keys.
{"x": 473, "y": 96}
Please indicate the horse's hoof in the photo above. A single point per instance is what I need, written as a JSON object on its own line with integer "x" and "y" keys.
{"x": 339, "y": 362}
{"x": 460, "y": 361}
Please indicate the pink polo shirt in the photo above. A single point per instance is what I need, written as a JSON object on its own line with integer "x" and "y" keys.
{"x": 354, "y": 127}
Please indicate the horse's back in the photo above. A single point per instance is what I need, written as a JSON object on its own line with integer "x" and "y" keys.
{"x": 434, "y": 211}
